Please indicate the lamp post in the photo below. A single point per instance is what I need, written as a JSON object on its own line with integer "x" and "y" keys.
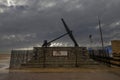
{"x": 91, "y": 50}
{"x": 90, "y": 37}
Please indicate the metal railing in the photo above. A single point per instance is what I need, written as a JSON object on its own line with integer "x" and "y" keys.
{"x": 104, "y": 57}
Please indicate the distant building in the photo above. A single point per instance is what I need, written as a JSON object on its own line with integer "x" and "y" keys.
{"x": 116, "y": 47}
{"x": 98, "y": 51}
{"x": 109, "y": 50}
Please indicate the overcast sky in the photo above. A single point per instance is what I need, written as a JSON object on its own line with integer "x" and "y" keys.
{"x": 26, "y": 23}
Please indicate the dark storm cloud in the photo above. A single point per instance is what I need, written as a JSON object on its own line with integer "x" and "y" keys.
{"x": 26, "y": 23}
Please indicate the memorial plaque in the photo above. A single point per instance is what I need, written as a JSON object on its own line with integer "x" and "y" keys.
{"x": 60, "y": 53}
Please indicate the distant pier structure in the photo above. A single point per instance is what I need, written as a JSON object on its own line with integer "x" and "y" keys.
{"x": 47, "y": 56}
{"x": 19, "y": 57}
{"x": 41, "y": 57}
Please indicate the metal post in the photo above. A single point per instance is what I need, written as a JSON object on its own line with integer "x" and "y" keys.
{"x": 11, "y": 59}
{"x": 26, "y": 56}
{"x": 101, "y": 34}
{"x": 76, "y": 54}
{"x": 44, "y": 53}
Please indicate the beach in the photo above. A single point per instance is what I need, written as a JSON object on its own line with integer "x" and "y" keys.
{"x": 56, "y": 74}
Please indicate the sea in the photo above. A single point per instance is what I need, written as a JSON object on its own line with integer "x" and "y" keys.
{"x": 4, "y": 65}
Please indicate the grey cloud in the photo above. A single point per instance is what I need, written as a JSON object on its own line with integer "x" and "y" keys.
{"x": 41, "y": 19}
